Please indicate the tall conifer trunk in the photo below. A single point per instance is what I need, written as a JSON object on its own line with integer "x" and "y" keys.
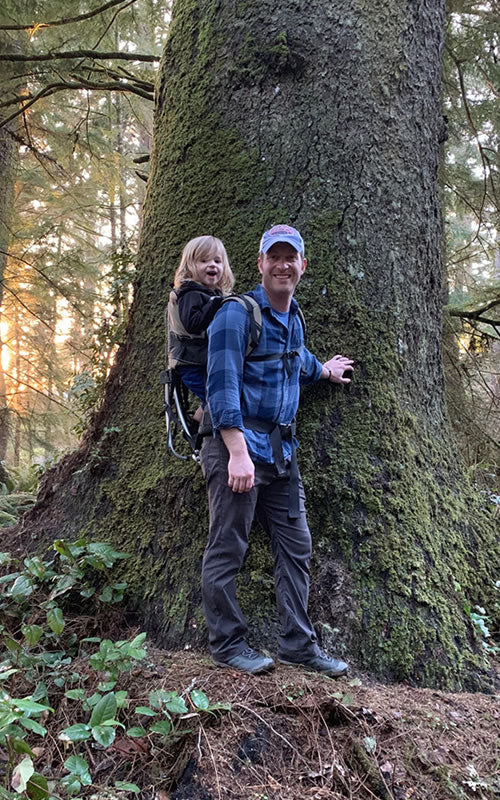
{"x": 325, "y": 115}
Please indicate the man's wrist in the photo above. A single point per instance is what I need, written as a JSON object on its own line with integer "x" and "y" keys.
{"x": 235, "y": 441}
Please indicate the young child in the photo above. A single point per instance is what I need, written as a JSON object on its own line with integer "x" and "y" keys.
{"x": 201, "y": 281}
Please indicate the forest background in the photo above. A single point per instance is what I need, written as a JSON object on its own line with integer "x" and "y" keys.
{"x": 75, "y": 138}
{"x": 77, "y": 116}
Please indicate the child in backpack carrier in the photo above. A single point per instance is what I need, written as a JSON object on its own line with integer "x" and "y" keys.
{"x": 201, "y": 281}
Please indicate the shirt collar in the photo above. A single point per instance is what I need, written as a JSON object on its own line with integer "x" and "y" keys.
{"x": 261, "y": 295}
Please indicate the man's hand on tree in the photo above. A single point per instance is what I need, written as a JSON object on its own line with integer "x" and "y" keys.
{"x": 333, "y": 370}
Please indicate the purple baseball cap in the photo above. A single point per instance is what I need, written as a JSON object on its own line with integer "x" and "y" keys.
{"x": 282, "y": 233}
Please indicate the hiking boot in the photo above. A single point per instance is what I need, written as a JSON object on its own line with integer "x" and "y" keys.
{"x": 249, "y": 660}
{"x": 320, "y": 662}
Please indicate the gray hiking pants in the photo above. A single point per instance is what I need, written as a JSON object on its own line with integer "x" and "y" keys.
{"x": 231, "y": 516}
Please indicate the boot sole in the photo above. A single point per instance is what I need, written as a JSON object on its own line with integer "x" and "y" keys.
{"x": 260, "y": 671}
{"x": 328, "y": 673}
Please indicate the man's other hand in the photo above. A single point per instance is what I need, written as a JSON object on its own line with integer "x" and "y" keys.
{"x": 241, "y": 472}
{"x": 334, "y": 369}
{"x": 240, "y": 468}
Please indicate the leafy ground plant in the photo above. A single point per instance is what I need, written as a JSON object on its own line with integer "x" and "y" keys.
{"x": 17, "y": 720}
{"x": 169, "y": 710}
{"x": 42, "y": 653}
{"x": 35, "y": 592}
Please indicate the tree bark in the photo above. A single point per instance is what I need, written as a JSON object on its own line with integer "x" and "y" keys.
{"x": 327, "y": 117}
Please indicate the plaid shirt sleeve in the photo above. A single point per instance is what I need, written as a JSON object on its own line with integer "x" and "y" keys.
{"x": 311, "y": 368}
{"x": 227, "y": 342}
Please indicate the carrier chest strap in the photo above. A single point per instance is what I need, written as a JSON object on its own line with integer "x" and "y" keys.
{"x": 287, "y": 358}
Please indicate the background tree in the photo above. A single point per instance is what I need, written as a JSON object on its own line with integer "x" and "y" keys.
{"x": 330, "y": 120}
{"x": 8, "y": 168}
{"x": 471, "y": 196}
{"x": 75, "y": 217}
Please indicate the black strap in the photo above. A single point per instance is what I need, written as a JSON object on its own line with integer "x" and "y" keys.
{"x": 287, "y": 358}
{"x": 277, "y": 433}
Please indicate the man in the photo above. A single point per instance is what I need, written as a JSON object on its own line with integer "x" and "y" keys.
{"x": 250, "y": 463}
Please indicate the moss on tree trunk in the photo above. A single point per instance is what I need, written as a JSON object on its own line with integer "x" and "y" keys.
{"x": 326, "y": 116}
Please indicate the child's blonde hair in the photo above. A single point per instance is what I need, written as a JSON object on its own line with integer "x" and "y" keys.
{"x": 199, "y": 249}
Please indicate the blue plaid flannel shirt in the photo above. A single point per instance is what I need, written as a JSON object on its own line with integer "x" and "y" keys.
{"x": 264, "y": 390}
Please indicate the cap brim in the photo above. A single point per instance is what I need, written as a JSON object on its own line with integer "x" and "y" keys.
{"x": 284, "y": 240}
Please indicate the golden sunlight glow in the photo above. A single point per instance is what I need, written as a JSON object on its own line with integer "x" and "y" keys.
{"x": 64, "y": 322}
{"x": 4, "y": 330}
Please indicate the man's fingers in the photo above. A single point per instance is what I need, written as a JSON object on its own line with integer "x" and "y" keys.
{"x": 240, "y": 485}
{"x": 343, "y": 360}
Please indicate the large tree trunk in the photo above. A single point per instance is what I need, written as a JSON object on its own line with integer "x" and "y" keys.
{"x": 327, "y": 116}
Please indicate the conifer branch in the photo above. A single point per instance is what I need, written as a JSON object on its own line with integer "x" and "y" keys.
{"x": 477, "y": 315}
{"x": 52, "y": 88}
{"x": 488, "y": 176}
{"x": 37, "y": 317}
{"x": 39, "y": 391}
{"x": 48, "y": 279}
{"x": 111, "y": 86}
{"x": 473, "y": 422}
{"x": 66, "y": 21}
{"x": 148, "y": 86}
{"x": 14, "y": 101}
{"x": 38, "y": 153}
{"x": 119, "y": 55}
{"x": 111, "y": 21}
{"x": 27, "y": 308}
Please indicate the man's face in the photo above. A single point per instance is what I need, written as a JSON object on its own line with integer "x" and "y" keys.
{"x": 281, "y": 269}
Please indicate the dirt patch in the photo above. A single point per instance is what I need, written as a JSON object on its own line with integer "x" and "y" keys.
{"x": 292, "y": 735}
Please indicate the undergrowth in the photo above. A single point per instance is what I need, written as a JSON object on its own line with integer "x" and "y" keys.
{"x": 88, "y": 712}
{"x": 47, "y": 662}
{"x": 17, "y": 492}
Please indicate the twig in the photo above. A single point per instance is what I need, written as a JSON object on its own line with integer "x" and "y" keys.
{"x": 279, "y": 735}
{"x": 111, "y": 21}
{"x": 36, "y": 25}
{"x": 213, "y": 761}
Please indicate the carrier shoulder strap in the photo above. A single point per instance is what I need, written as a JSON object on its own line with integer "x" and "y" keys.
{"x": 303, "y": 323}
{"x": 172, "y": 316}
{"x": 255, "y": 313}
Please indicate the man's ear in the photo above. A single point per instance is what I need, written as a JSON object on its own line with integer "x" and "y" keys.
{"x": 259, "y": 264}
{"x": 304, "y": 265}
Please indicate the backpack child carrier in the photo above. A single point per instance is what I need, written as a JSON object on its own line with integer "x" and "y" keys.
{"x": 178, "y": 416}
{"x": 183, "y": 348}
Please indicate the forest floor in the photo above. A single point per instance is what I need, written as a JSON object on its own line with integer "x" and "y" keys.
{"x": 293, "y": 735}
{"x": 287, "y": 735}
